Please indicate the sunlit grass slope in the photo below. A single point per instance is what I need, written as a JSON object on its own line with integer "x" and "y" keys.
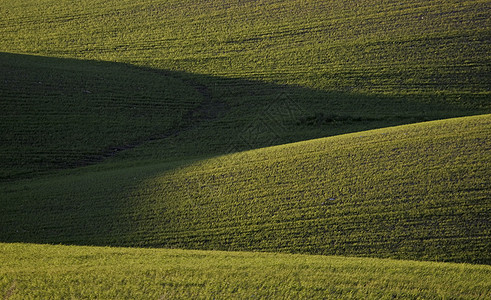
{"x": 419, "y": 192}
{"x": 63, "y": 272}
{"x": 412, "y": 192}
{"x": 415, "y": 46}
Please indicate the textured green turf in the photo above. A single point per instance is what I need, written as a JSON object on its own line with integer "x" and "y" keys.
{"x": 117, "y": 117}
{"x": 411, "y": 192}
{"x": 65, "y": 113}
{"x": 61, "y": 272}
{"x": 258, "y": 73}
{"x": 61, "y": 113}
{"x": 414, "y": 47}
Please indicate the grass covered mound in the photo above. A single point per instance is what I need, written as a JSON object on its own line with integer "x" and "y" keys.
{"x": 411, "y": 192}
{"x": 370, "y": 46}
{"x": 272, "y": 72}
{"x": 61, "y": 272}
{"x": 67, "y": 113}
{"x": 418, "y": 191}
{"x": 124, "y": 123}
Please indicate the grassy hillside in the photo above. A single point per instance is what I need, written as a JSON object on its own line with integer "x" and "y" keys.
{"x": 259, "y": 73}
{"x": 61, "y": 272}
{"x": 61, "y": 113}
{"x": 125, "y": 123}
{"x": 413, "y": 47}
{"x": 412, "y": 192}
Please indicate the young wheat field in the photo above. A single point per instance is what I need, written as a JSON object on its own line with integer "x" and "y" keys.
{"x": 283, "y": 149}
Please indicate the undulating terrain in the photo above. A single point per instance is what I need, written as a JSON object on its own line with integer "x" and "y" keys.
{"x": 78, "y": 272}
{"x": 352, "y": 134}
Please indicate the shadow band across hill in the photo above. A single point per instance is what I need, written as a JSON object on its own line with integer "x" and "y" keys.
{"x": 386, "y": 193}
{"x": 64, "y": 113}
{"x": 61, "y": 114}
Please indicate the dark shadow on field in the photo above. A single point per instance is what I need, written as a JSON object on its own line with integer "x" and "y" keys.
{"x": 62, "y": 114}
{"x": 67, "y": 113}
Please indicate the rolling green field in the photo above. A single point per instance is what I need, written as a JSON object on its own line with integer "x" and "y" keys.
{"x": 415, "y": 47}
{"x": 412, "y": 192}
{"x": 62, "y": 272}
{"x": 256, "y": 72}
{"x": 351, "y": 128}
